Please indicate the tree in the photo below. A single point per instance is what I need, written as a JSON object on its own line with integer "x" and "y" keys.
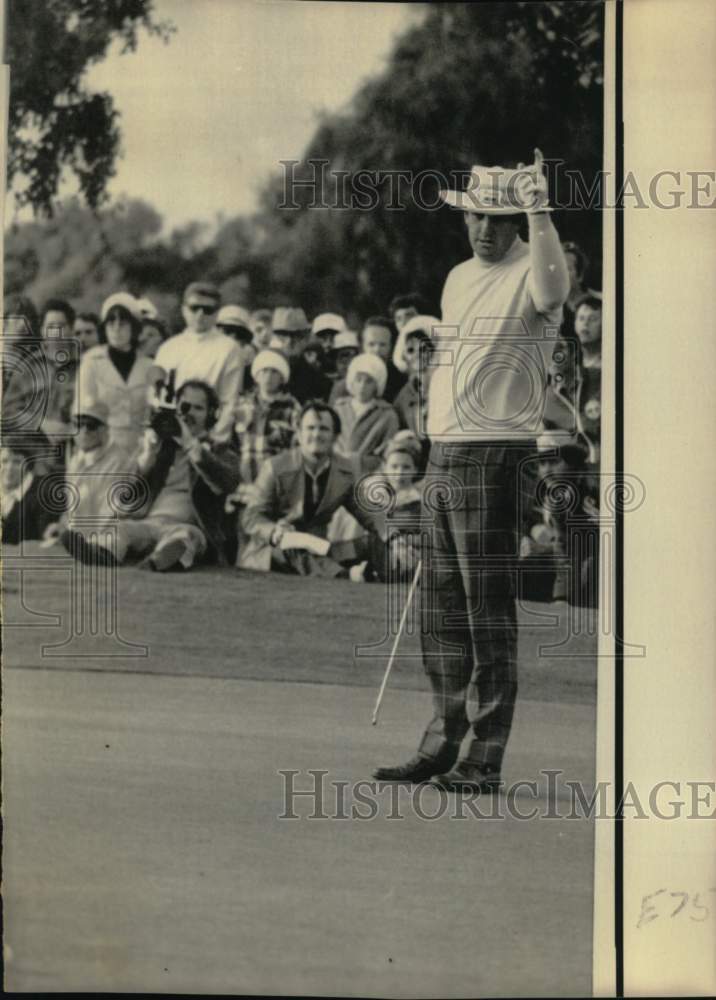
{"x": 472, "y": 83}
{"x": 54, "y": 121}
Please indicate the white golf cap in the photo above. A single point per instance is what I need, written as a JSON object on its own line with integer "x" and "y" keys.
{"x": 271, "y": 359}
{"x": 415, "y": 323}
{"x": 368, "y": 364}
{"x": 346, "y": 338}
{"x": 234, "y": 316}
{"x": 328, "y": 321}
{"x": 123, "y": 299}
{"x": 147, "y": 309}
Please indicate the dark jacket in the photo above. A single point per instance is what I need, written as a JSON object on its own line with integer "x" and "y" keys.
{"x": 306, "y": 382}
{"x": 212, "y": 479}
{"x": 279, "y": 495}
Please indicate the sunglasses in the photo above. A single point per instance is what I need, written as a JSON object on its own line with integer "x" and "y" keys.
{"x": 195, "y": 307}
{"x": 89, "y": 423}
{"x": 238, "y": 332}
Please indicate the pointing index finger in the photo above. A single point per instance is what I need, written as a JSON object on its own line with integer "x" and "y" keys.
{"x": 538, "y": 159}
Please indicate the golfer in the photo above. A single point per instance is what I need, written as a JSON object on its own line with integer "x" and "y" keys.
{"x": 500, "y": 312}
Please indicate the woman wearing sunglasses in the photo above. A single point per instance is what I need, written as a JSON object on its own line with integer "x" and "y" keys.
{"x": 116, "y": 373}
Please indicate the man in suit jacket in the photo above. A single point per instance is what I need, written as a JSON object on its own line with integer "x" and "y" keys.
{"x": 300, "y": 490}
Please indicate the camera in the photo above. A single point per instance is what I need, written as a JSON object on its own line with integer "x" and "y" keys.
{"x": 163, "y": 419}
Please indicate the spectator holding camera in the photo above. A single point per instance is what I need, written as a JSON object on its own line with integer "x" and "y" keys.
{"x": 205, "y": 353}
{"x": 188, "y": 477}
{"x": 115, "y": 372}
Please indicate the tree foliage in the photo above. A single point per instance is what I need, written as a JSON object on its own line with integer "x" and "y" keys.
{"x": 55, "y": 123}
{"x": 471, "y": 83}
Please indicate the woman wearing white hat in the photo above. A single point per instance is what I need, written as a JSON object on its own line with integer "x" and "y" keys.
{"x": 367, "y": 421}
{"x": 115, "y": 373}
{"x": 266, "y": 417}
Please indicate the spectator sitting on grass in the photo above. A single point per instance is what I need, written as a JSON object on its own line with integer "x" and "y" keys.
{"x": 367, "y": 421}
{"x": 300, "y": 490}
{"x": 188, "y": 477}
{"x": 96, "y": 466}
{"x": 24, "y": 516}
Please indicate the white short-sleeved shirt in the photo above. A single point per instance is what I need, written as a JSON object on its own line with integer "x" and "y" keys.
{"x": 210, "y": 357}
{"x": 493, "y": 349}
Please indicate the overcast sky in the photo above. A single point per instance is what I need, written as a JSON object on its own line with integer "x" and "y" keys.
{"x": 237, "y": 89}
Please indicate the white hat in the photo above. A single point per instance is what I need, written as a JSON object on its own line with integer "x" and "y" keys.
{"x": 123, "y": 299}
{"x": 423, "y": 322}
{"x": 93, "y": 408}
{"x": 270, "y": 359}
{"x": 234, "y": 316}
{"x": 494, "y": 191}
{"x": 369, "y": 364}
{"x": 328, "y": 321}
{"x": 346, "y": 338}
{"x": 147, "y": 309}
{"x": 289, "y": 319}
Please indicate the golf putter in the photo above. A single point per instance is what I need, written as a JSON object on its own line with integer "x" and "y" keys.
{"x": 408, "y": 602}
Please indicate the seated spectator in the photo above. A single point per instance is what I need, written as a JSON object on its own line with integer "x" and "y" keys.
{"x": 95, "y": 464}
{"x": 261, "y": 328}
{"x": 24, "y": 515}
{"x": 189, "y": 477}
{"x": 400, "y": 473}
{"x": 86, "y": 330}
{"x": 325, "y": 327}
{"x": 403, "y": 307}
{"x": 367, "y": 421}
{"x": 561, "y": 528}
{"x": 377, "y": 338}
{"x": 151, "y": 336}
{"x": 345, "y": 348}
{"x": 115, "y": 373}
{"x": 417, "y": 349}
{"x": 267, "y": 417}
{"x": 299, "y": 491}
{"x": 203, "y": 352}
{"x": 39, "y": 383}
{"x": 290, "y": 334}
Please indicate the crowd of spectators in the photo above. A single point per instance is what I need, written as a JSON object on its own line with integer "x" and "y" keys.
{"x": 262, "y": 440}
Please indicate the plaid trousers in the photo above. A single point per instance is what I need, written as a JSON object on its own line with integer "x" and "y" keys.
{"x": 471, "y": 506}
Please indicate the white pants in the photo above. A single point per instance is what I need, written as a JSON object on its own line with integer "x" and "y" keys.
{"x": 152, "y": 534}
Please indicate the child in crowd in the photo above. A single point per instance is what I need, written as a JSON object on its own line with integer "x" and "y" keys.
{"x": 367, "y": 421}
{"x": 265, "y": 417}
